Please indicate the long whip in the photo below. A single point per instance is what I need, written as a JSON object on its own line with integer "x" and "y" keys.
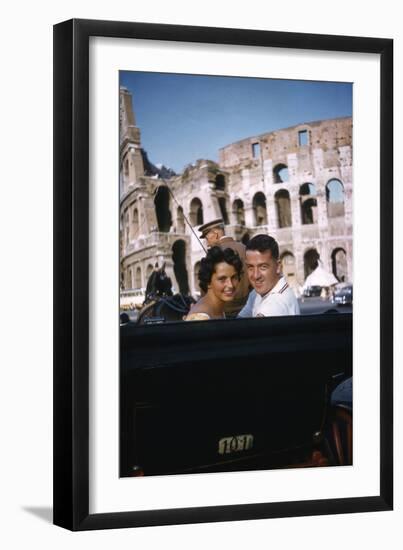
{"x": 185, "y": 218}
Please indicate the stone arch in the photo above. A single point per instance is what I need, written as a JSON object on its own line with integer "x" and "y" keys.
{"x": 126, "y": 230}
{"x": 280, "y": 173}
{"x": 161, "y": 202}
{"x": 289, "y": 267}
{"x": 311, "y": 261}
{"x": 135, "y": 223}
{"x": 196, "y": 212}
{"x": 283, "y": 208}
{"x": 309, "y": 204}
{"x": 259, "y": 208}
{"x": 220, "y": 182}
{"x": 180, "y": 270}
{"x": 335, "y": 198}
{"x": 129, "y": 279}
{"x": 196, "y": 270}
{"x": 125, "y": 173}
{"x": 223, "y": 209}
{"x": 238, "y": 212}
{"x": 137, "y": 282}
{"x": 126, "y": 169}
{"x": 339, "y": 264}
{"x": 121, "y": 183}
{"x": 180, "y": 220}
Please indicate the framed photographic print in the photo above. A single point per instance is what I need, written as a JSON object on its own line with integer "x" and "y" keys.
{"x": 219, "y": 193}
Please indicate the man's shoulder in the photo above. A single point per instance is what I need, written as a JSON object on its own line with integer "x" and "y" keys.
{"x": 274, "y": 298}
{"x": 286, "y": 293}
{"x": 278, "y": 303}
{"x": 269, "y": 307}
{"x": 291, "y": 301}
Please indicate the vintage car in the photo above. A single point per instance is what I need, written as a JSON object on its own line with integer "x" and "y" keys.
{"x": 312, "y": 291}
{"x": 343, "y": 294}
{"x": 234, "y": 395}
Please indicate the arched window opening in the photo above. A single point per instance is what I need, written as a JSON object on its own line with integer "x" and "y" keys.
{"x": 180, "y": 270}
{"x": 220, "y": 182}
{"x": 161, "y": 202}
{"x": 223, "y": 208}
{"x": 335, "y": 198}
{"x": 126, "y": 168}
{"x": 180, "y": 220}
{"x": 309, "y": 204}
{"x": 283, "y": 207}
{"x": 121, "y": 239}
{"x": 255, "y": 150}
{"x": 238, "y": 212}
{"x": 339, "y": 264}
{"x": 307, "y": 189}
{"x": 280, "y": 173}
{"x": 121, "y": 183}
{"x": 196, "y": 212}
{"x": 129, "y": 279}
{"x": 137, "y": 283}
{"x": 303, "y": 138}
{"x": 259, "y": 209}
{"x": 135, "y": 223}
{"x": 311, "y": 261}
{"x": 126, "y": 229}
{"x": 196, "y": 270}
{"x": 288, "y": 267}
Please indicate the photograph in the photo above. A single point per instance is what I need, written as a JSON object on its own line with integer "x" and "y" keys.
{"x": 209, "y": 215}
{"x": 236, "y": 208}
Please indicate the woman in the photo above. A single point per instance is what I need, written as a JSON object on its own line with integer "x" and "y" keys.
{"x": 219, "y": 276}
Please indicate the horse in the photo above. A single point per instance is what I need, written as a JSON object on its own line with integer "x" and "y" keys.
{"x": 165, "y": 309}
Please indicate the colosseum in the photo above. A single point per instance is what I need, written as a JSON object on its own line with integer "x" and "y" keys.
{"x": 294, "y": 184}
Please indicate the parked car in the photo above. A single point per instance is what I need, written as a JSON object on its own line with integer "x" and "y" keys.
{"x": 312, "y": 291}
{"x": 343, "y": 294}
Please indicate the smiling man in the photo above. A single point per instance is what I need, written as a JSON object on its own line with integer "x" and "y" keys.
{"x": 273, "y": 295}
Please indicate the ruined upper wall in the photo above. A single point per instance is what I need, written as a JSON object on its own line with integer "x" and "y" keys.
{"x": 128, "y": 130}
{"x": 328, "y": 135}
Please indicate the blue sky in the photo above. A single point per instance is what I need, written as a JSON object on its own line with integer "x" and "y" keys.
{"x": 183, "y": 118}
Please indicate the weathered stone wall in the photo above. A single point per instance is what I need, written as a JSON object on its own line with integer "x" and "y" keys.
{"x": 328, "y": 136}
{"x": 276, "y": 183}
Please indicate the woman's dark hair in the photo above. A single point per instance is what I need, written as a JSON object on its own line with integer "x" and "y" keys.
{"x": 214, "y": 256}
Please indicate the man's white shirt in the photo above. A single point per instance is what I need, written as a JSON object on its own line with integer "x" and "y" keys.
{"x": 279, "y": 301}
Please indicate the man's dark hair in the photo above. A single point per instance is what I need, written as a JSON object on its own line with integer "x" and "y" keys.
{"x": 214, "y": 256}
{"x": 263, "y": 243}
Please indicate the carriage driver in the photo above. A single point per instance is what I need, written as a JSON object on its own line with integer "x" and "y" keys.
{"x": 214, "y": 234}
{"x": 272, "y": 295}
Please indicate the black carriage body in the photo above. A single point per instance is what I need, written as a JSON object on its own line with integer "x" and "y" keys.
{"x": 228, "y": 395}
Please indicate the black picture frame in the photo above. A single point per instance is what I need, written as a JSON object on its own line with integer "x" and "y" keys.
{"x": 71, "y": 274}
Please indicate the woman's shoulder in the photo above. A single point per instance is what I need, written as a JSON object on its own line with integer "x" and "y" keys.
{"x": 197, "y": 316}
